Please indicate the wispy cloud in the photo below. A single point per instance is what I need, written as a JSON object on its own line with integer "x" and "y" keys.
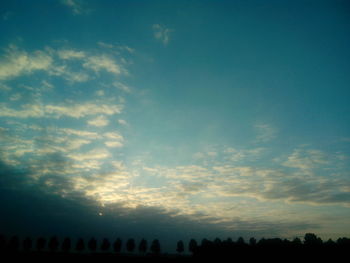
{"x": 161, "y": 33}
{"x": 265, "y": 132}
{"x": 99, "y": 121}
{"x": 98, "y": 63}
{"x": 76, "y": 6}
{"x": 18, "y": 62}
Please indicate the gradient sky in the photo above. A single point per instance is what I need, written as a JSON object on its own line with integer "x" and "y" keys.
{"x": 175, "y": 119}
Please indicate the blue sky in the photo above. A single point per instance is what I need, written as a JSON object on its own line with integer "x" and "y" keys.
{"x": 232, "y": 116}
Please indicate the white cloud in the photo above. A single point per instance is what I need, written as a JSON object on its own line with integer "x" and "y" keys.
{"x": 18, "y": 62}
{"x": 26, "y": 111}
{"x": 76, "y": 6}
{"x": 15, "y": 97}
{"x": 113, "y": 136}
{"x": 100, "y": 93}
{"x": 4, "y": 87}
{"x": 103, "y": 62}
{"x": 265, "y": 132}
{"x": 122, "y": 122}
{"x": 114, "y": 144}
{"x": 70, "y": 54}
{"x": 57, "y": 111}
{"x": 87, "y": 134}
{"x": 95, "y": 154}
{"x": 82, "y": 110}
{"x": 99, "y": 121}
{"x": 305, "y": 159}
{"x": 161, "y": 33}
{"x": 122, "y": 87}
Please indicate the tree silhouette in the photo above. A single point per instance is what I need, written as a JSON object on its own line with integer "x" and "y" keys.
{"x": 240, "y": 241}
{"x": 117, "y": 245}
{"x": 27, "y": 244}
{"x": 105, "y": 245}
{"x": 2, "y": 243}
{"x": 14, "y": 244}
{"x": 92, "y": 244}
{"x": 80, "y": 246}
{"x": 130, "y": 245}
{"x": 53, "y": 244}
{"x": 40, "y": 244}
{"x": 155, "y": 246}
{"x": 143, "y": 246}
{"x": 192, "y": 246}
{"x": 311, "y": 239}
{"x": 180, "y": 246}
{"x": 252, "y": 241}
{"x": 66, "y": 245}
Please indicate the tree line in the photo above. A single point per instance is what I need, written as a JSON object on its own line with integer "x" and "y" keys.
{"x": 206, "y": 247}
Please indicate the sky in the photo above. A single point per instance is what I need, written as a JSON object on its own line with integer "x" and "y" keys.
{"x": 175, "y": 119}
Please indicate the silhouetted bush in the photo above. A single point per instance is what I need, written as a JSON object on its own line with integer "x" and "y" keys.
{"x": 92, "y": 244}
{"x": 27, "y": 244}
{"x": 40, "y": 244}
{"x": 80, "y": 246}
{"x": 105, "y": 246}
{"x": 2, "y": 243}
{"x": 53, "y": 244}
{"x": 117, "y": 245}
{"x": 13, "y": 245}
{"x": 130, "y": 245}
{"x": 155, "y": 246}
{"x": 143, "y": 246}
{"x": 192, "y": 246}
{"x": 66, "y": 245}
{"x": 180, "y": 246}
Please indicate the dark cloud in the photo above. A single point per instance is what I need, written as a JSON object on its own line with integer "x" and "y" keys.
{"x": 38, "y": 209}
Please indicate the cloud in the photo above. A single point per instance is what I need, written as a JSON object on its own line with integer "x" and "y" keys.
{"x": 70, "y": 54}
{"x": 75, "y": 110}
{"x": 305, "y": 159}
{"x": 161, "y": 33}
{"x": 18, "y": 62}
{"x": 87, "y": 134}
{"x": 265, "y": 132}
{"x": 82, "y": 110}
{"x": 99, "y": 121}
{"x": 122, "y": 122}
{"x": 122, "y": 87}
{"x": 114, "y": 144}
{"x": 26, "y": 111}
{"x": 76, "y": 6}
{"x": 95, "y": 154}
{"x": 103, "y": 62}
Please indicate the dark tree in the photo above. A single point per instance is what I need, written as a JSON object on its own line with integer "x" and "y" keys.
{"x": 92, "y": 244}
{"x": 296, "y": 241}
{"x": 14, "y": 244}
{"x": 192, "y": 246}
{"x": 117, "y": 245}
{"x": 311, "y": 239}
{"x": 66, "y": 245}
{"x": 130, "y": 245}
{"x": 252, "y": 241}
{"x": 105, "y": 245}
{"x": 155, "y": 246}
{"x": 240, "y": 241}
{"x": 80, "y": 245}
{"x": 2, "y": 243}
{"x": 27, "y": 244}
{"x": 180, "y": 246}
{"x": 143, "y": 246}
{"x": 40, "y": 243}
{"x": 53, "y": 244}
